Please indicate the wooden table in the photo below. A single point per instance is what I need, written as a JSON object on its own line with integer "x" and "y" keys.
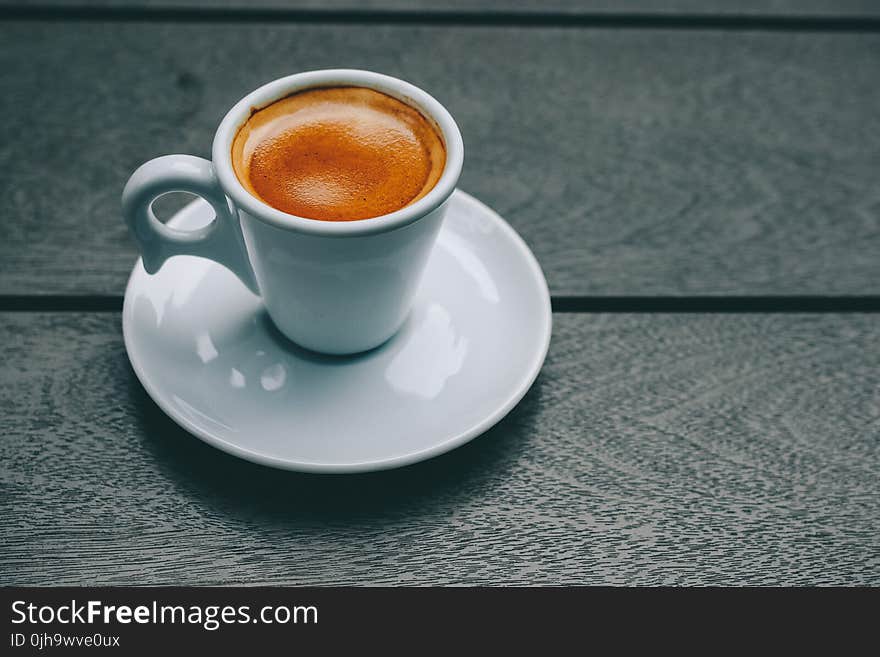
{"x": 702, "y": 188}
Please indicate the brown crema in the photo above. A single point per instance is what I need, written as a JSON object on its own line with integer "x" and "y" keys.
{"x": 338, "y": 154}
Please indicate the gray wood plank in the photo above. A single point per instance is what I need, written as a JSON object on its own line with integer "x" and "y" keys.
{"x": 654, "y": 449}
{"x": 633, "y": 162}
{"x": 575, "y": 7}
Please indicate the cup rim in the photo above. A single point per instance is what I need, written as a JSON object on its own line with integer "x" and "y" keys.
{"x": 221, "y": 151}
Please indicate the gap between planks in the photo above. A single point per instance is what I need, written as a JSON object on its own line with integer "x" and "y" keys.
{"x": 560, "y": 304}
{"x": 452, "y": 18}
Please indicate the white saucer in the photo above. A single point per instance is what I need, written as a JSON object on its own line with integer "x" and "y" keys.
{"x": 209, "y": 356}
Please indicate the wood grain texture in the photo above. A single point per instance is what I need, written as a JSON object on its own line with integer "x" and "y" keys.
{"x": 575, "y": 7}
{"x": 633, "y": 162}
{"x": 653, "y": 449}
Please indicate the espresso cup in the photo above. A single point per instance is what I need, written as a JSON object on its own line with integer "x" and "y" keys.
{"x": 331, "y": 287}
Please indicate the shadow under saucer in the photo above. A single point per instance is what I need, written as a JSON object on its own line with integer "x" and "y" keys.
{"x": 230, "y": 485}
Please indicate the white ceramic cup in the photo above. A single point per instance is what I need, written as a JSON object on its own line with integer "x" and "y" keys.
{"x": 333, "y": 287}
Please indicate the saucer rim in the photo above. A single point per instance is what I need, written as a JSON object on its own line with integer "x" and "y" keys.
{"x": 402, "y": 460}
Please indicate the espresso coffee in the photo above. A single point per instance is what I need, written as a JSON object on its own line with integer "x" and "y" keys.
{"x": 338, "y": 154}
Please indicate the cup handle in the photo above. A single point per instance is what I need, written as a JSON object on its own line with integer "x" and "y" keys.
{"x": 221, "y": 240}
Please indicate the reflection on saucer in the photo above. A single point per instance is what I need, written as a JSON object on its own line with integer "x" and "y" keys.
{"x": 273, "y": 377}
{"x": 458, "y": 248}
{"x": 236, "y": 378}
{"x": 205, "y": 347}
{"x": 431, "y": 354}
